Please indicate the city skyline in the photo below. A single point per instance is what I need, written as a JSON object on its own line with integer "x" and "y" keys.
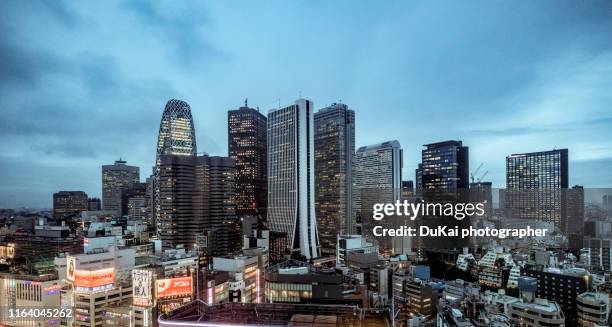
{"x": 69, "y": 109}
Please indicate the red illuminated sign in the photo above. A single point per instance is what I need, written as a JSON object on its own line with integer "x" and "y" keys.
{"x": 180, "y": 286}
{"x": 94, "y": 278}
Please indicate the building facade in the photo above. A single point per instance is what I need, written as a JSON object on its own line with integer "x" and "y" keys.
{"x": 197, "y": 201}
{"x": 117, "y": 179}
{"x": 445, "y": 167}
{"x": 94, "y": 204}
{"x": 593, "y": 309}
{"x": 534, "y": 182}
{"x": 444, "y": 174}
{"x": 69, "y": 204}
{"x": 247, "y": 146}
{"x": 334, "y": 141}
{"x": 563, "y": 287}
{"x": 377, "y": 179}
{"x": 291, "y": 196}
{"x": 214, "y": 203}
{"x": 176, "y": 137}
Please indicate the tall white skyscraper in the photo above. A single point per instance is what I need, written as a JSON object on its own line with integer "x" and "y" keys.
{"x": 291, "y": 194}
{"x": 377, "y": 179}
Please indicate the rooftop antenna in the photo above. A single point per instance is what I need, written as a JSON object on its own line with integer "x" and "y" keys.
{"x": 246, "y": 100}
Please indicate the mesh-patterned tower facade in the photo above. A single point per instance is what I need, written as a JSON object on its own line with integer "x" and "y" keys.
{"x": 176, "y": 136}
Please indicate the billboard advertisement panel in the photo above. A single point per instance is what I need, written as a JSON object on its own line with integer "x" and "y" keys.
{"x": 142, "y": 287}
{"x": 70, "y": 268}
{"x": 94, "y": 278}
{"x": 170, "y": 287}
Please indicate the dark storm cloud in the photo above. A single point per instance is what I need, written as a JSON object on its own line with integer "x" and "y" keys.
{"x": 179, "y": 25}
{"x": 83, "y": 83}
{"x": 64, "y": 112}
{"x": 23, "y": 66}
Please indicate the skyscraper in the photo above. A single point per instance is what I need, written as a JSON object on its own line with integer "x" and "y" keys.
{"x": 574, "y": 221}
{"x": 176, "y": 137}
{"x": 445, "y": 167}
{"x": 176, "y": 131}
{"x": 247, "y": 139}
{"x": 334, "y": 141}
{"x": 377, "y": 179}
{"x": 69, "y": 204}
{"x": 534, "y": 182}
{"x": 444, "y": 179}
{"x": 214, "y": 203}
{"x": 117, "y": 179}
{"x": 197, "y": 200}
{"x": 291, "y": 194}
{"x": 176, "y": 223}
{"x": 134, "y": 201}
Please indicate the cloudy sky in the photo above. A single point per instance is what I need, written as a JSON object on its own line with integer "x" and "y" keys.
{"x": 83, "y": 83}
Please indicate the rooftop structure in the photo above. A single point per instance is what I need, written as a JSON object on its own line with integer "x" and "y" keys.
{"x": 197, "y": 313}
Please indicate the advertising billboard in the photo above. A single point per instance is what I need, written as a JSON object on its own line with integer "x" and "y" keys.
{"x": 170, "y": 287}
{"x": 142, "y": 287}
{"x": 70, "y": 268}
{"x": 94, "y": 278}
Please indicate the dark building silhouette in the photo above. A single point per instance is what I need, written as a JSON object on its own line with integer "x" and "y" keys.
{"x": 534, "y": 182}
{"x": 94, "y": 204}
{"x": 134, "y": 202}
{"x": 334, "y": 142}
{"x": 69, "y": 204}
{"x": 117, "y": 179}
{"x": 573, "y": 224}
{"x": 445, "y": 166}
{"x": 247, "y": 145}
{"x": 176, "y": 223}
{"x": 444, "y": 179}
{"x": 214, "y": 202}
{"x": 197, "y": 203}
{"x": 418, "y": 178}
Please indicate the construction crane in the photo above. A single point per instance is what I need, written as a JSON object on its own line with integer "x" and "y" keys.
{"x": 475, "y": 172}
{"x": 482, "y": 177}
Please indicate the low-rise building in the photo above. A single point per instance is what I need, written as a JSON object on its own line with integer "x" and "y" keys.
{"x": 541, "y": 312}
{"x": 28, "y": 292}
{"x": 593, "y": 309}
